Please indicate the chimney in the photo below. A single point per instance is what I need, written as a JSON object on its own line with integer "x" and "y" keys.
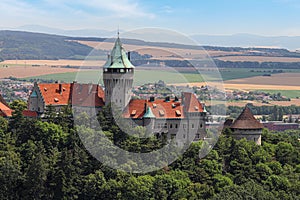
{"x": 176, "y": 99}
{"x": 152, "y": 99}
{"x": 128, "y": 55}
{"x": 60, "y": 90}
{"x": 145, "y": 106}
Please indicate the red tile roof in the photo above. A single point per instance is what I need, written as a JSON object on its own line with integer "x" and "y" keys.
{"x": 5, "y": 111}
{"x": 191, "y": 103}
{"x": 29, "y": 113}
{"x": 246, "y": 120}
{"x": 160, "y": 108}
{"x": 87, "y": 95}
{"x": 77, "y": 94}
{"x": 163, "y": 109}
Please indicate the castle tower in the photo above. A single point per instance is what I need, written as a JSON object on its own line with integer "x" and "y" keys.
{"x": 246, "y": 126}
{"x": 118, "y": 77}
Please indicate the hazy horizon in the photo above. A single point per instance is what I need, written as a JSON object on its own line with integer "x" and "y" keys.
{"x": 265, "y": 18}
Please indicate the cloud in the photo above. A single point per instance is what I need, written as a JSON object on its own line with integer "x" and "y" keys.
{"x": 167, "y": 9}
{"x": 120, "y": 8}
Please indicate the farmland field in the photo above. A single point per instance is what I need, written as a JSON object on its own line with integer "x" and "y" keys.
{"x": 284, "y": 79}
{"x": 40, "y": 63}
{"x": 160, "y": 52}
{"x": 287, "y": 93}
{"x": 146, "y": 76}
{"x": 27, "y": 71}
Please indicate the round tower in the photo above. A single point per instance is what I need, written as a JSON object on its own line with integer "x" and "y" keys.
{"x": 118, "y": 77}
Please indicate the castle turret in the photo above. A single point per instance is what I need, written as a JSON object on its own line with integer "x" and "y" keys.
{"x": 246, "y": 126}
{"x": 118, "y": 77}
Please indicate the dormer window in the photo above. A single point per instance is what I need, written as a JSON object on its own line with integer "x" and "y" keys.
{"x": 161, "y": 113}
{"x": 133, "y": 113}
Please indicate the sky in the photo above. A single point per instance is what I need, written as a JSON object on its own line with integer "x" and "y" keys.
{"x": 212, "y": 17}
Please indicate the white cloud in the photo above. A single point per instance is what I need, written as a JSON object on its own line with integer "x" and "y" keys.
{"x": 73, "y": 14}
{"x": 120, "y": 8}
{"x": 167, "y": 9}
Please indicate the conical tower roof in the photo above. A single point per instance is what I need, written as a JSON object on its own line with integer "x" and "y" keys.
{"x": 246, "y": 120}
{"x": 118, "y": 58}
{"x": 149, "y": 113}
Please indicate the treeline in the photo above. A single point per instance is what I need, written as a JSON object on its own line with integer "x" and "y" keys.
{"x": 259, "y": 110}
{"x": 47, "y": 160}
{"x": 261, "y": 65}
{"x": 222, "y": 64}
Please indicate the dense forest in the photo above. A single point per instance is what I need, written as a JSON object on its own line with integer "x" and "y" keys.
{"x": 25, "y": 45}
{"x": 46, "y": 160}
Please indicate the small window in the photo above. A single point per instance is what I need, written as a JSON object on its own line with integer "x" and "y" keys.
{"x": 171, "y": 125}
{"x": 166, "y": 125}
{"x": 201, "y": 125}
{"x": 176, "y": 125}
{"x": 193, "y": 126}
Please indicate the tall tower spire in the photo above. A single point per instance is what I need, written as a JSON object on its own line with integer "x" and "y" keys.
{"x": 118, "y": 74}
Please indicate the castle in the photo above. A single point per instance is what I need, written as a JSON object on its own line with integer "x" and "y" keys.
{"x": 183, "y": 118}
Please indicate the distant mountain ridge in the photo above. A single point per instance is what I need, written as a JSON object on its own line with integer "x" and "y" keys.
{"x": 29, "y": 45}
{"x": 235, "y": 40}
{"x": 249, "y": 40}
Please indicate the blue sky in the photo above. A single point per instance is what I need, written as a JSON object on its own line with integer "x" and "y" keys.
{"x": 217, "y": 17}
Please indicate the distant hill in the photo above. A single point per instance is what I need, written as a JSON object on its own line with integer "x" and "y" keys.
{"x": 249, "y": 40}
{"x": 236, "y": 40}
{"x": 26, "y": 45}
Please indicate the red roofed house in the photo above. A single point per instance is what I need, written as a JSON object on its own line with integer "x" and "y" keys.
{"x": 5, "y": 111}
{"x": 61, "y": 94}
{"x": 246, "y": 126}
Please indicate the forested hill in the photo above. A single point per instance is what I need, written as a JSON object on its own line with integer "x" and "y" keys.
{"x": 47, "y": 160}
{"x": 26, "y": 45}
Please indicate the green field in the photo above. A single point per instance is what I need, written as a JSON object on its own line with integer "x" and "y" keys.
{"x": 151, "y": 76}
{"x": 288, "y": 93}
